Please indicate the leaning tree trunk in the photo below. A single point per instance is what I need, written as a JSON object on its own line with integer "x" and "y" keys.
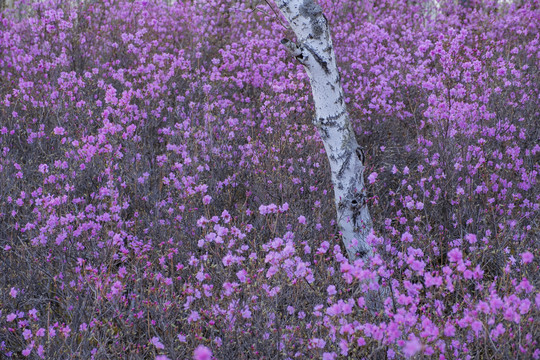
{"x": 314, "y": 50}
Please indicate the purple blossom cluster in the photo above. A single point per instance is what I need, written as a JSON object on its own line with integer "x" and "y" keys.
{"x": 165, "y": 195}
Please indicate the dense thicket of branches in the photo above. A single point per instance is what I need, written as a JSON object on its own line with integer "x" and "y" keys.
{"x": 165, "y": 193}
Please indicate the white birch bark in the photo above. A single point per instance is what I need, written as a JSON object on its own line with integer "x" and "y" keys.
{"x": 314, "y": 50}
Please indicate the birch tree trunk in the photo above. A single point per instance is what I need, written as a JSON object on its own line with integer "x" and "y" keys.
{"x": 314, "y": 50}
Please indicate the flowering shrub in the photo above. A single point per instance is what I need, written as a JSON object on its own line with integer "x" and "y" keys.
{"x": 165, "y": 196}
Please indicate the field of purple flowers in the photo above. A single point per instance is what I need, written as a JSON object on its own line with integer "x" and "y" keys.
{"x": 164, "y": 194}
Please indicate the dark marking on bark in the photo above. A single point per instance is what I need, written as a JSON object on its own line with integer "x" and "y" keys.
{"x": 343, "y": 155}
{"x": 355, "y": 221}
{"x": 284, "y": 4}
{"x": 358, "y": 201}
{"x": 317, "y": 58}
{"x": 327, "y": 122}
{"x": 361, "y": 154}
{"x": 345, "y": 165}
{"x": 323, "y": 131}
{"x": 331, "y": 120}
{"x": 326, "y": 22}
{"x": 295, "y": 51}
{"x": 312, "y": 11}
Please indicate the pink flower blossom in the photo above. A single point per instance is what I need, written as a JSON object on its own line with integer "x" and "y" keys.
{"x": 41, "y": 352}
{"x": 246, "y": 313}
{"x": 455, "y": 255}
{"x": 116, "y": 288}
{"x": 471, "y": 238}
{"x": 194, "y": 316}
{"x": 207, "y": 199}
{"x": 329, "y": 356}
{"x": 450, "y": 330}
{"x": 406, "y": 237}
{"x": 202, "y": 353}
{"x": 527, "y": 257}
{"x": 317, "y": 343}
{"x": 242, "y": 275}
{"x": 27, "y": 334}
{"x": 59, "y": 130}
{"x": 412, "y": 347}
{"x": 476, "y": 326}
{"x": 331, "y": 290}
{"x": 43, "y": 168}
{"x": 13, "y": 292}
{"x": 157, "y": 343}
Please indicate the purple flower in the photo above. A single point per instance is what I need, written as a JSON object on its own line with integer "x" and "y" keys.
{"x": 116, "y": 288}
{"x": 527, "y": 257}
{"x": 242, "y": 275}
{"x": 155, "y": 341}
{"x": 455, "y": 255}
{"x": 13, "y": 292}
{"x": 27, "y": 334}
{"x": 412, "y": 347}
{"x": 318, "y": 343}
{"x": 202, "y": 353}
{"x": 43, "y": 168}
{"x": 194, "y": 316}
{"x": 477, "y": 326}
{"x": 246, "y": 313}
{"x": 471, "y": 238}
{"x": 329, "y": 356}
{"x": 331, "y": 290}
{"x": 406, "y": 237}
{"x": 59, "y": 130}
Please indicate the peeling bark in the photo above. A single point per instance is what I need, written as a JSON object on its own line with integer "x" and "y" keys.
{"x": 314, "y": 50}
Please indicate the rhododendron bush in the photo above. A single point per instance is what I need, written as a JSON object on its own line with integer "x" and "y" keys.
{"x": 165, "y": 195}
